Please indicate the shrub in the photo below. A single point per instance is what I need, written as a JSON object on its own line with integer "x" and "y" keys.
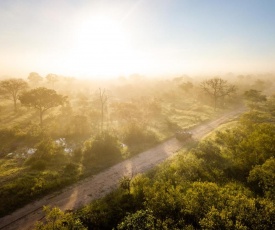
{"x": 135, "y": 134}
{"x": 71, "y": 169}
{"x": 104, "y": 147}
{"x": 39, "y": 165}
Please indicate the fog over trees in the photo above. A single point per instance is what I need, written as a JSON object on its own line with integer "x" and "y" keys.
{"x": 60, "y": 133}
{"x": 132, "y": 115}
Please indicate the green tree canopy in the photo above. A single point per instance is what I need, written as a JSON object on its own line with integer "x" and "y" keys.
{"x": 42, "y": 99}
{"x": 263, "y": 178}
{"x": 58, "y": 220}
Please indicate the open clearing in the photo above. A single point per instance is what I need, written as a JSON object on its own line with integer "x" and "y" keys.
{"x": 97, "y": 186}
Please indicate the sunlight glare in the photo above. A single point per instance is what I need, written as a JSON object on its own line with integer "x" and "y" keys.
{"x": 102, "y": 47}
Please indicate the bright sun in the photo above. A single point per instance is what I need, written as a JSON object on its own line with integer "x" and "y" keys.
{"x": 102, "y": 47}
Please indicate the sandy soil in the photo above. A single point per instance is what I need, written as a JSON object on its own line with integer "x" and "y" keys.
{"x": 97, "y": 186}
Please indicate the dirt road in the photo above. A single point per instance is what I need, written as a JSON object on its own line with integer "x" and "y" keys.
{"x": 99, "y": 185}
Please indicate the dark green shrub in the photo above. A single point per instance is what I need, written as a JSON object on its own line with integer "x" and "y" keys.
{"x": 135, "y": 134}
{"x": 71, "y": 169}
{"x": 39, "y": 165}
{"x": 104, "y": 147}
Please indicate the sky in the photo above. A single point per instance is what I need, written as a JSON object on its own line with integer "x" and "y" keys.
{"x": 90, "y": 39}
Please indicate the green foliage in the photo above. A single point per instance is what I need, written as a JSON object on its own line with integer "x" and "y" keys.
{"x": 247, "y": 145}
{"x": 17, "y": 138}
{"x": 164, "y": 196}
{"x": 226, "y": 182}
{"x": 34, "y": 184}
{"x": 41, "y": 99}
{"x": 262, "y": 178}
{"x": 103, "y": 214}
{"x": 77, "y": 155}
{"x": 165, "y": 200}
{"x": 271, "y": 105}
{"x": 10, "y": 139}
{"x": 139, "y": 185}
{"x": 239, "y": 212}
{"x": 104, "y": 147}
{"x": 39, "y": 165}
{"x": 125, "y": 183}
{"x": 58, "y": 220}
{"x": 142, "y": 219}
{"x": 254, "y": 98}
{"x": 72, "y": 169}
{"x": 135, "y": 134}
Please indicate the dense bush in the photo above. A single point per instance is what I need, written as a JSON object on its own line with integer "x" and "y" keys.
{"x": 38, "y": 165}
{"x": 135, "y": 134}
{"x": 104, "y": 147}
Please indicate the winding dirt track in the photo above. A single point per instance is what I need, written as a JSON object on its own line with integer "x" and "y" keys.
{"x": 97, "y": 186}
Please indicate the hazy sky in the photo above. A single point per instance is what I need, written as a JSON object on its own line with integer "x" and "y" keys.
{"x": 119, "y": 37}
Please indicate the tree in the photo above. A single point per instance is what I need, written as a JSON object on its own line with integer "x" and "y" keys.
{"x": 254, "y": 97}
{"x": 125, "y": 183}
{"x": 217, "y": 88}
{"x": 263, "y": 178}
{"x": 103, "y": 148}
{"x": 103, "y": 98}
{"x": 142, "y": 219}
{"x": 11, "y": 88}
{"x": 57, "y": 219}
{"x": 42, "y": 99}
{"x": 52, "y": 79}
{"x": 35, "y": 78}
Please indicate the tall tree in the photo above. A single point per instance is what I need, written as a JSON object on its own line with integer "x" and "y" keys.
{"x": 103, "y": 98}
{"x": 217, "y": 88}
{"x": 35, "y": 78}
{"x": 11, "y": 88}
{"x": 52, "y": 79}
{"x": 42, "y": 99}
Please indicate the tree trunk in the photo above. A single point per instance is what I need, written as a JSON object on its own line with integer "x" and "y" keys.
{"x": 41, "y": 118}
{"x": 102, "y": 117}
{"x": 15, "y": 105}
{"x": 215, "y": 103}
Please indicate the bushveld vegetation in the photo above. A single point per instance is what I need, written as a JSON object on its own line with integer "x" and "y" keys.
{"x": 226, "y": 182}
{"x": 92, "y": 127}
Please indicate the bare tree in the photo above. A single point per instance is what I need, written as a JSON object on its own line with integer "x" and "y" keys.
{"x": 103, "y": 98}
{"x": 217, "y": 88}
{"x": 11, "y": 88}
